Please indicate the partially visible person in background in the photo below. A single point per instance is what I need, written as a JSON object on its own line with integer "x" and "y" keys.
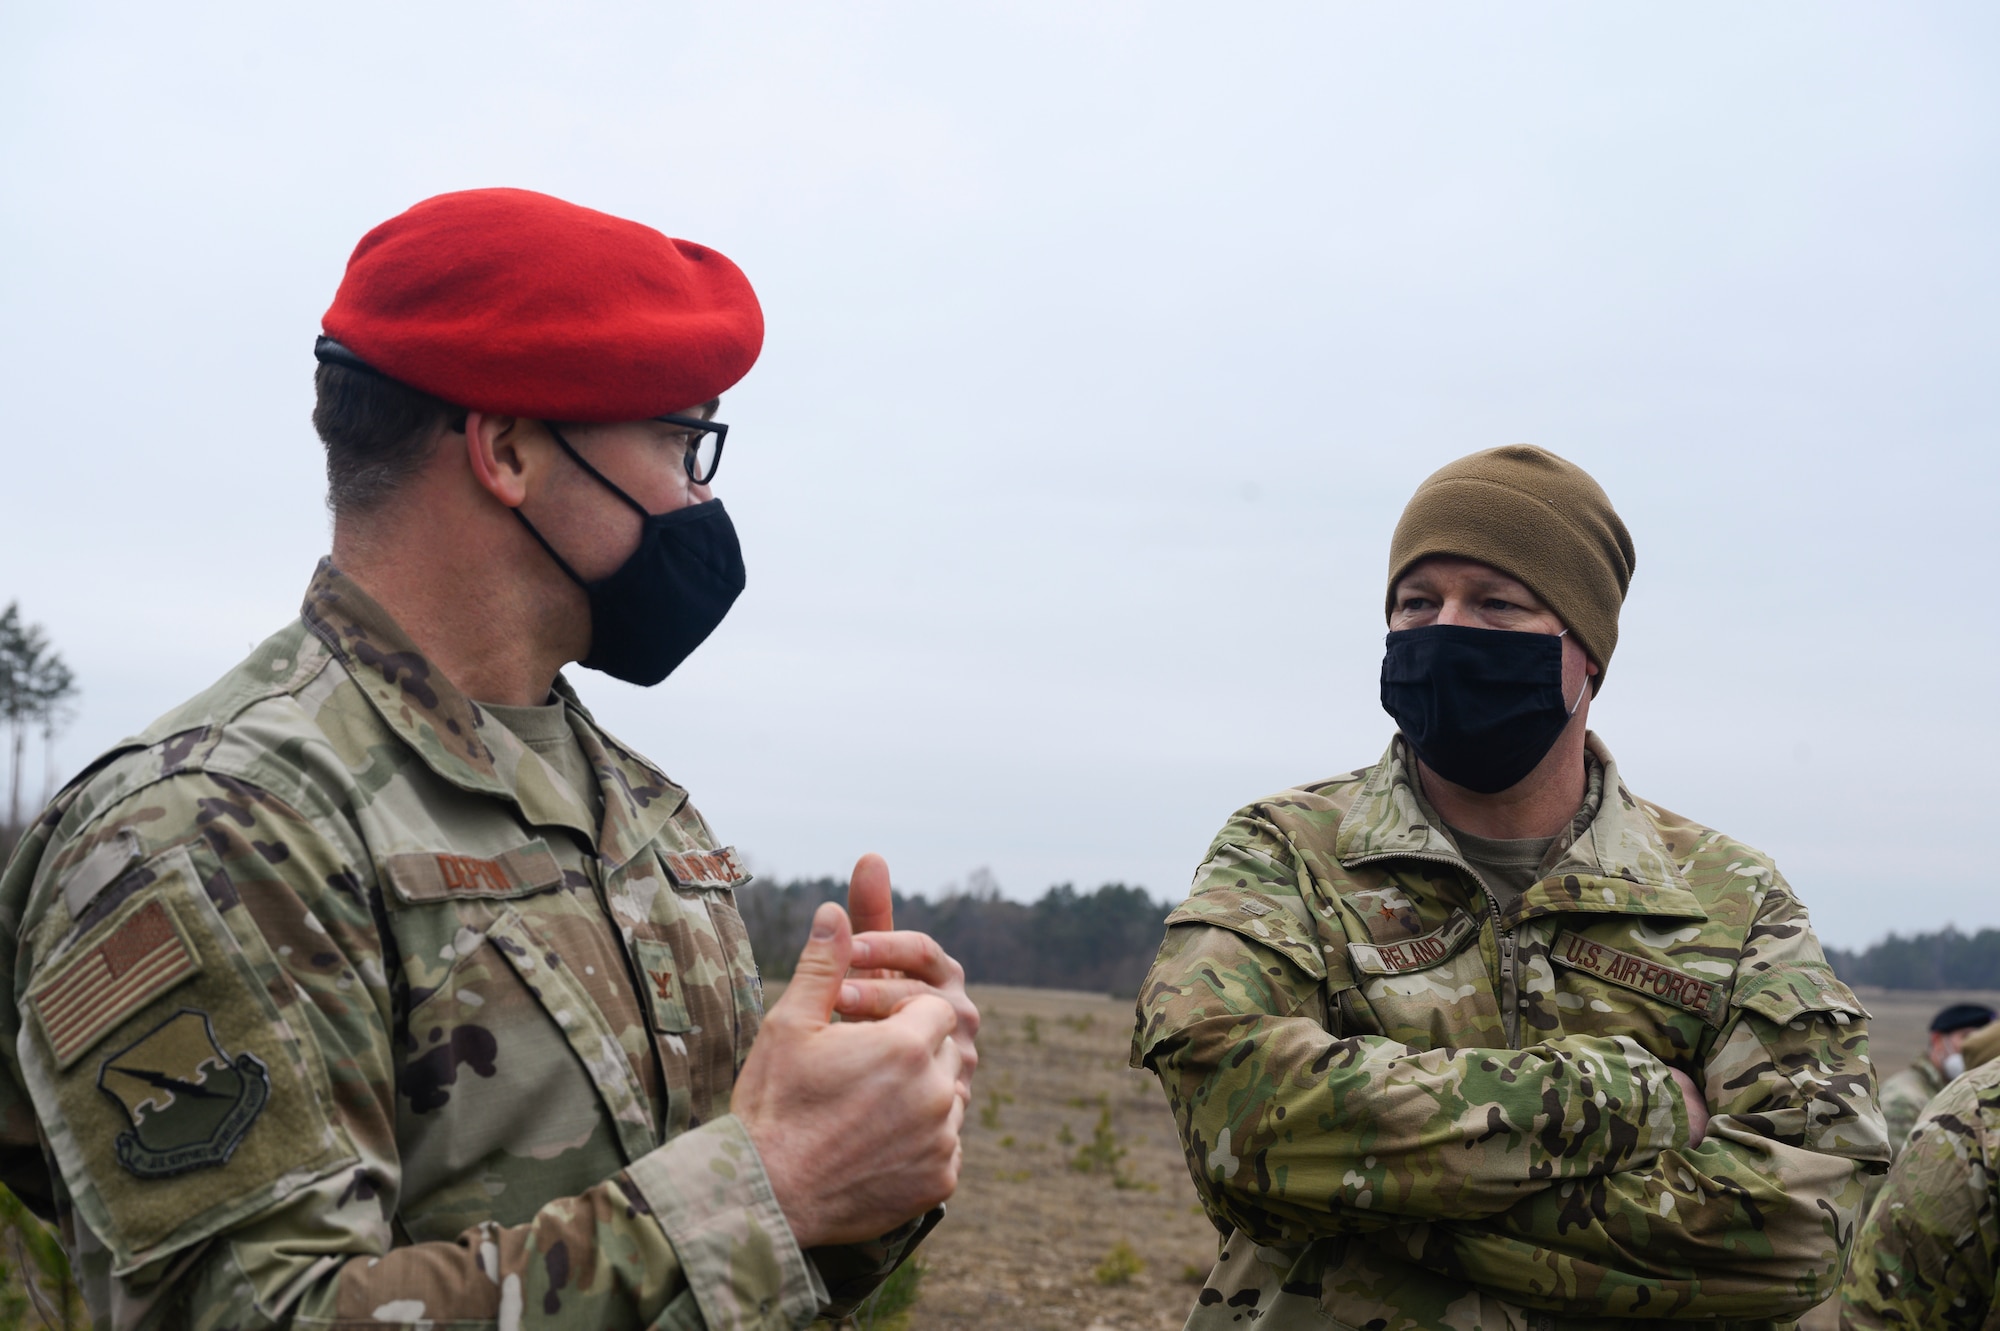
{"x": 1981, "y": 1047}
{"x": 1928, "y": 1256}
{"x": 1905, "y": 1094}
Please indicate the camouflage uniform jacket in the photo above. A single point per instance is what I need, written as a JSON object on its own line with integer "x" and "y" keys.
{"x": 1407, "y": 1110}
{"x": 1905, "y": 1095}
{"x": 334, "y": 1005}
{"x": 1928, "y": 1258}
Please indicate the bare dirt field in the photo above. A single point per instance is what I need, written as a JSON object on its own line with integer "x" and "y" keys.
{"x": 1024, "y": 1240}
{"x": 1028, "y": 1233}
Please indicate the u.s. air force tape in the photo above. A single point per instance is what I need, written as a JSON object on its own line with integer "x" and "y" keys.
{"x": 1705, "y": 998}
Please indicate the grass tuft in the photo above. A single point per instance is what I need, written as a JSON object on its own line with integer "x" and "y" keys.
{"x": 1119, "y": 1265}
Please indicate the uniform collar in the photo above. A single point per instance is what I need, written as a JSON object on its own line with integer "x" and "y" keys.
{"x": 464, "y": 745}
{"x": 1609, "y": 861}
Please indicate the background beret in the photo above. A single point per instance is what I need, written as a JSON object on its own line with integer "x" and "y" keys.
{"x": 1959, "y": 1016}
{"x": 510, "y": 301}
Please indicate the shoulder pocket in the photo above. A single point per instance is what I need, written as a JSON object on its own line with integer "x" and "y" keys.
{"x": 1279, "y": 923}
{"x": 1786, "y": 993}
{"x": 176, "y": 1097}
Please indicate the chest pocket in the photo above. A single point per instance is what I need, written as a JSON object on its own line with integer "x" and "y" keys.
{"x": 1430, "y": 990}
{"x": 524, "y": 1040}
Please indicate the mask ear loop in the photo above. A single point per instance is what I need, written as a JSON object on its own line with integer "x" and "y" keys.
{"x": 602, "y": 480}
{"x": 1586, "y": 681}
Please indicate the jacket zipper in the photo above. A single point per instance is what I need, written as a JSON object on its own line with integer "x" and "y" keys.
{"x": 1510, "y": 1001}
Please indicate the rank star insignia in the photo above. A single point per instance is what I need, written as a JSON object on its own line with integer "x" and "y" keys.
{"x": 189, "y": 1102}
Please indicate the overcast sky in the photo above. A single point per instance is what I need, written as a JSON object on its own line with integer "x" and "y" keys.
{"x": 1106, "y": 342}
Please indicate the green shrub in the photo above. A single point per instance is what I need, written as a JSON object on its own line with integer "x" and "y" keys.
{"x": 34, "y": 1272}
{"x": 989, "y": 1113}
{"x": 1119, "y": 1265}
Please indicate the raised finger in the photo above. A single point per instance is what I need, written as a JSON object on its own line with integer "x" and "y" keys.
{"x": 870, "y": 902}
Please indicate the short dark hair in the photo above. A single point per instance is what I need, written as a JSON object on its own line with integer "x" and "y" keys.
{"x": 378, "y": 433}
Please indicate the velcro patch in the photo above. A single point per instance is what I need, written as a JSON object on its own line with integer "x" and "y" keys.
{"x": 1414, "y": 954}
{"x": 1669, "y": 984}
{"x": 188, "y": 1100}
{"x": 439, "y": 876}
{"x": 706, "y": 868}
{"x": 99, "y": 870}
{"x": 87, "y": 994}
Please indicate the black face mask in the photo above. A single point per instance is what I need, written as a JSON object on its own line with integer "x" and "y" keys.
{"x": 668, "y": 597}
{"x": 1480, "y": 706}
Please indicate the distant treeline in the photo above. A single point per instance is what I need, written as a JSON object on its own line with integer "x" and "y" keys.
{"x": 1100, "y": 941}
{"x": 1947, "y": 959}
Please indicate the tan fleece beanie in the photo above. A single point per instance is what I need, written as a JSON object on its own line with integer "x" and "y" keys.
{"x": 1536, "y": 518}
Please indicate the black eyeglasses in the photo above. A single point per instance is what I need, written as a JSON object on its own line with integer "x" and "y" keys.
{"x": 704, "y": 446}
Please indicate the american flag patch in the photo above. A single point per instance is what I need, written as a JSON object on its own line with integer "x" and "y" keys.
{"x": 92, "y": 992}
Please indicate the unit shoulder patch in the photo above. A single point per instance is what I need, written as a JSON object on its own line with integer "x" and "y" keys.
{"x": 1414, "y": 954}
{"x": 1705, "y": 998}
{"x": 189, "y": 1102}
{"x": 90, "y": 992}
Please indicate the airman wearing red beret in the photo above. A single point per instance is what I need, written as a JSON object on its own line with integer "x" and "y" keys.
{"x": 378, "y": 984}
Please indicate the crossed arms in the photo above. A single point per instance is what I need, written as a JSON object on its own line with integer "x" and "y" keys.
{"x": 1563, "y": 1175}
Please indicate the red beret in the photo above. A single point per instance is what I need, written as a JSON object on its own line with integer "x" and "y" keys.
{"x": 509, "y": 301}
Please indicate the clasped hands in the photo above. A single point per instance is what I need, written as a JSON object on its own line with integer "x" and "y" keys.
{"x": 857, "y": 1120}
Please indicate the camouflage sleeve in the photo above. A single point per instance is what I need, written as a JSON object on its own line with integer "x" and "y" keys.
{"x": 211, "y": 1056}
{"x": 687, "y": 1236}
{"x": 1903, "y": 1101}
{"x": 1292, "y": 1132}
{"x": 851, "y": 1272}
{"x": 1926, "y": 1257}
{"x": 1749, "y": 1224}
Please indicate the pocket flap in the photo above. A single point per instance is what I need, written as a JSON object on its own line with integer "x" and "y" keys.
{"x": 1784, "y": 994}
{"x": 1278, "y": 923}
{"x": 439, "y": 875}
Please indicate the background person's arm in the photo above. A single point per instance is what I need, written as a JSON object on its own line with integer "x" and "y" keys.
{"x": 1928, "y": 1254}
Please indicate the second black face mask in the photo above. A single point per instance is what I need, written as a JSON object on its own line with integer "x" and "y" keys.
{"x": 1480, "y": 706}
{"x": 668, "y": 595}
